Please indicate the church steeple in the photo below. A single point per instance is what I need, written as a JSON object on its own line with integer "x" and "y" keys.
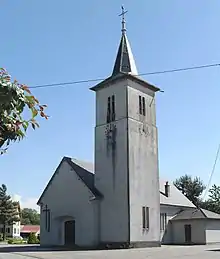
{"x": 124, "y": 62}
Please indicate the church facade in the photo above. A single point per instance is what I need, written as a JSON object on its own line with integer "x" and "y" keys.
{"x": 126, "y": 205}
{"x": 119, "y": 200}
{"x": 71, "y": 212}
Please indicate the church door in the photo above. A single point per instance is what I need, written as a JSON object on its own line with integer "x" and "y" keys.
{"x": 69, "y": 232}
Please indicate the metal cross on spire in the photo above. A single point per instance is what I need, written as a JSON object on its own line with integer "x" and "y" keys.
{"x": 123, "y": 12}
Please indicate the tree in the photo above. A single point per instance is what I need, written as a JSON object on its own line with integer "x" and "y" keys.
{"x": 30, "y": 217}
{"x": 15, "y": 99}
{"x": 192, "y": 188}
{"x": 9, "y": 210}
{"x": 213, "y": 201}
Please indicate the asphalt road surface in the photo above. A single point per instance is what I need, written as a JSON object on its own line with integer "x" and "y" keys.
{"x": 171, "y": 252}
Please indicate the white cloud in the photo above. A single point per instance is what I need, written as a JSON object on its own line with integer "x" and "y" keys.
{"x": 29, "y": 202}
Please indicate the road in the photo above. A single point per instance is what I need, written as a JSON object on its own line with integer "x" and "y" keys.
{"x": 171, "y": 252}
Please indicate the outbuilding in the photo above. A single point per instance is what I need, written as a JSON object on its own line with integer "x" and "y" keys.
{"x": 195, "y": 226}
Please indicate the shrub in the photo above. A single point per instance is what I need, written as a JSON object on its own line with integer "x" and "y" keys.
{"x": 25, "y": 240}
{"x": 32, "y": 239}
{"x": 16, "y": 241}
{"x": 10, "y": 241}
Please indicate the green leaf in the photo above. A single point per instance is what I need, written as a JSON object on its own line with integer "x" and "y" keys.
{"x": 25, "y": 125}
{"x": 29, "y": 98}
{"x": 34, "y": 112}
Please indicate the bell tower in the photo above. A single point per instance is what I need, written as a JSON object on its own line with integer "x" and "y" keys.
{"x": 126, "y": 154}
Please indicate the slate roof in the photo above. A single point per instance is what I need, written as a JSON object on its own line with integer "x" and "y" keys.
{"x": 196, "y": 214}
{"x": 124, "y": 68}
{"x": 124, "y": 60}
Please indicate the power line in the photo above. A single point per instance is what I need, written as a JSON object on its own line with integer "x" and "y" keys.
{"x": 213, "y": 170}
{"x": 142, "y": 74}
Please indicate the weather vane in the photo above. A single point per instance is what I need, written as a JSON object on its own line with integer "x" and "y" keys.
{"x": 123, "y": 12}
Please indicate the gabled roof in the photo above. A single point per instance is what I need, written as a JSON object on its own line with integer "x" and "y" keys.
{"x": 30, "y": 229}
{"x": 85, "y": 172}
{"x": 176, "y": 198}
{"x": 210, "y": 215}
{"x": 196, "y": 213}
{"x": 189, "y": 214}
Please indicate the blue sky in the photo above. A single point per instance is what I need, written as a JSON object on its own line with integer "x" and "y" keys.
{"x": 51, "y": 41}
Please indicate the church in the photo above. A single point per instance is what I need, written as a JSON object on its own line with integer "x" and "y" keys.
{"x": 119, "y": 200}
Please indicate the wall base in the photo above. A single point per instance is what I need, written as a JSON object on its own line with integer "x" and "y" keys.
{"x": 108, "y": 246}
{"x": 183, "y": 244}
{"x": 143, "y": 244}
{"x": 127, "y": 245}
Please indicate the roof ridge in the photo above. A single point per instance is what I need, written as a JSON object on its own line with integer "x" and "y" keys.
{"x": 202, "y": 212}
{"x": 93, "y": 189}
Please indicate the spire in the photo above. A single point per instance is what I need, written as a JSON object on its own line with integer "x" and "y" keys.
{"x": 124, "y": 62}
{"x": 123, "y": 12}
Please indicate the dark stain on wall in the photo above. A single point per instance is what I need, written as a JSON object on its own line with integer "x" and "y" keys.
{"x": 111, "y": 143}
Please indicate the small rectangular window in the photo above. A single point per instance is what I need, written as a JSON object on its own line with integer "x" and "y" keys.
{"x": 145, "y": 217}
{"x": 8, "y": 230}
{"x": 48, "y": 227}
{"x": 109, "y": 110}
{"x": 113, "y": 107}
{"x": 140, "y": 105}
{"x": 14, "y": 230}
{"x": 143, "y": 104}
{"x": 47, "y": 218}
{"x": 163, "y": 221}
